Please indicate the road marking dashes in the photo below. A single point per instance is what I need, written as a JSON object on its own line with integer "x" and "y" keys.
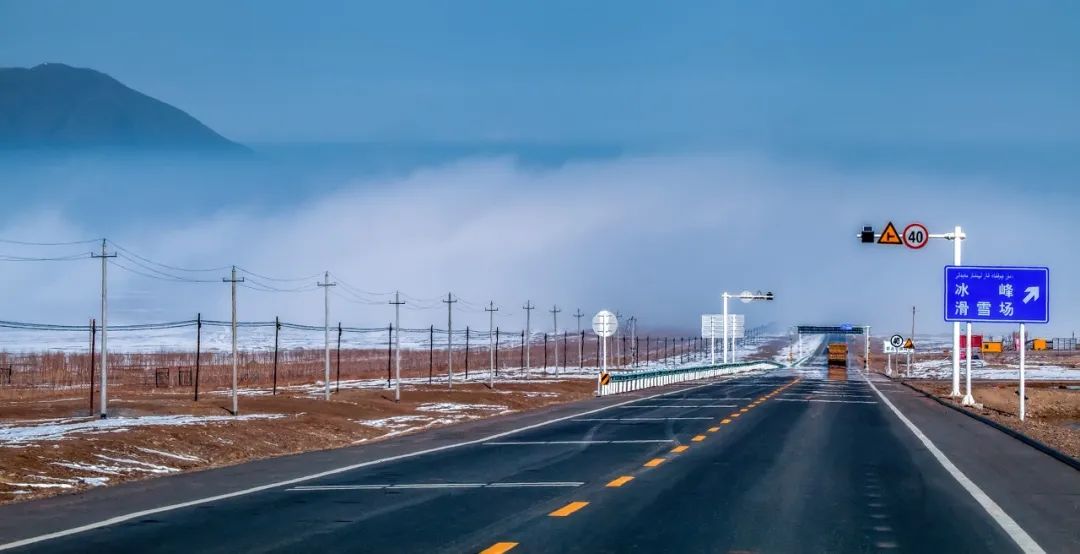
{"x": 654, "y": 462}
{"x": 680, "y": 448}
{"x": 499, "y": 548}
{"x": 568, "y": 509}
{"x": 620, "y": 481}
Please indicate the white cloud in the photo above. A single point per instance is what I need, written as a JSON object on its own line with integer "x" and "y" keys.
{"x": 659, "y": 237}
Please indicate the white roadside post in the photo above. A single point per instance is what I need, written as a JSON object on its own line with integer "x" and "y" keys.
{"x": 968, "y": 399}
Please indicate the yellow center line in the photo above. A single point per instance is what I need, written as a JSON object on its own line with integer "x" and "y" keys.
{"x": 568, "y": 509}
{"x": 744, "y": 410}
{"x": 713, "y": 429}
{"x": 698, "y": 438}
{"x": 680, "y": 448}
{"x": 654, "y": 462}
{"x": 499, "y": 548}
{"x": 736, "y": 414}
{"x": 620, "y": 481}
{"x": 725, "y": 421}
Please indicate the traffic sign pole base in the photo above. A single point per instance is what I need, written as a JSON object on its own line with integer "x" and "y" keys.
{"x": 955, "y": 393}
{"x": 968, "y": 400}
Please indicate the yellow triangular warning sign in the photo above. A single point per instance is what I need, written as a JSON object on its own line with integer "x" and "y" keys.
{"x": 909, "y": 344}
{"x": 890, "y": 236}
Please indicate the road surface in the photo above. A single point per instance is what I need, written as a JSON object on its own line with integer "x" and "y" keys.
{"x": 783, "y": 461}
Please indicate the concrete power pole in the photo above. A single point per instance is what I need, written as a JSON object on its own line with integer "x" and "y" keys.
{"x": 397, "y": 345}
{"x": 326, "y": 284}
{"x": 450, "y": 337}
{"x": 235, "y": 359}
{"x": 491, "y": 309}
{"x": 555, "y": 321}
{"x": 104, "y": 326}
{"x": 528, "y": 307}
{"x": 581, "y": 340}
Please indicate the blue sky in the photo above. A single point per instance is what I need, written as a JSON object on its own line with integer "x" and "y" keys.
{"x": 980, "y": 74}
{"x": 783, "y": 124}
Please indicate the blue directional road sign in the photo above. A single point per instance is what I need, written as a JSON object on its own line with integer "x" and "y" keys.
{"x": 997, "y": 294}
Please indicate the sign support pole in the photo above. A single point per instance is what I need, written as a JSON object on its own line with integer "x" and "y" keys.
{"x": 968, "y": 399}
{"x": 1023, "y": 348}
{"x": 725, "y": 295}
{"x": 957, "y": 237}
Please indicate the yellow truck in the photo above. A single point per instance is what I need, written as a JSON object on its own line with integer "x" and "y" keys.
{"x": 837, "y": 354}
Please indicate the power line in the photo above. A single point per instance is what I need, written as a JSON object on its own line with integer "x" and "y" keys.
{"x": 69, "y": 243}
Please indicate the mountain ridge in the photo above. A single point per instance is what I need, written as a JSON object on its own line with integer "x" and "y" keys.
{"x": 57, "y": 106}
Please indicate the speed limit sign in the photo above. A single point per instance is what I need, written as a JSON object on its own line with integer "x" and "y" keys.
{"x": 915, "y": 236}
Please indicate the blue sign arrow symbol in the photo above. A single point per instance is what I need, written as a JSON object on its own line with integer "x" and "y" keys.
{"x": 1032, "y": 294}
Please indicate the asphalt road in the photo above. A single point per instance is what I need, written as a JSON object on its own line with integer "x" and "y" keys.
{"x": 787, "y": 461}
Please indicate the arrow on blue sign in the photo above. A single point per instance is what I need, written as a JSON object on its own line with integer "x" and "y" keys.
{"x": 997, "y": 294}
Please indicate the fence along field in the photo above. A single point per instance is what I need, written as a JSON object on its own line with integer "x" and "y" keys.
{"x": 267, "y": 365}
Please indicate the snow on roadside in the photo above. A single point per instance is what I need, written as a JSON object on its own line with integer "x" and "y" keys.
{"x": 942, "y": 369}
{"x": 16, "y": 433}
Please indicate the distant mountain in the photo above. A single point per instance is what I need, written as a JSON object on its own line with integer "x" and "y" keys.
{"x": 56, "y": 106}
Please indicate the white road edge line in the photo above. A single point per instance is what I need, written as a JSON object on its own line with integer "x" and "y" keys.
{"x": 296, "y": 480}
{"x": 1013, "y": 529}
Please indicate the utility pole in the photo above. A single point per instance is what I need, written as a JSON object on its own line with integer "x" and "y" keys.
{"x": 326, "y": 284}
{"x": 397, "y": 345}
{"x": 581, "y": 343}
{"x": 527, "y": 340}
{"x": 104, "y": 327}
{"x": 235, "y": 360}
{"x": 491, "y": 309}
{"x": 450, "y": 337}
{"x": 555, "y": 321}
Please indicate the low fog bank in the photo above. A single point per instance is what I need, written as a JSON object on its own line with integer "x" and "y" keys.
{"x": 656, "y": 236}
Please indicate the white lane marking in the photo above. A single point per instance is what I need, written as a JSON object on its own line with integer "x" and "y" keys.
{"x": 527, "y": 443}
{"x": 243, "y": 492}
{"x": 825, "y": 400}
{"x": 643, "y": 418}
{"x": 423, "y": 486}
{"x": 682, "y": 406}
{"x": 1013, "y": 529}
{"x": 705, "y": 399}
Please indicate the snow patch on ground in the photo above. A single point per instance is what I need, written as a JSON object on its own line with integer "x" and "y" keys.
{"x": 17, "y": 433}
{"x": 454, "y": 407}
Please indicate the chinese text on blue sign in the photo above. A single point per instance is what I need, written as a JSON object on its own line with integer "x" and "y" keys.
{"x": 997, "y": 294}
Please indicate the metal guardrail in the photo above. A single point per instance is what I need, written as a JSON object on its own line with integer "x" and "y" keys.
{"x": 626, "y": 381}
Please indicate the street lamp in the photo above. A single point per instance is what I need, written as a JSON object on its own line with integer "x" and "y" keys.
{"x": 746, "y": 297}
